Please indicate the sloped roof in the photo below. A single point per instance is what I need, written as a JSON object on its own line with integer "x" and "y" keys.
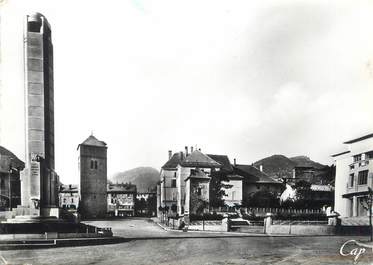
{"x": 8, "y": 159}
{"x": 253, "y": 175}
{"x": 359, "y": 139}
{"x": 222, "y": 160}
{"x": 173, "y": 161}
{"x": 198, "y": 159}
{"x": 121, "y": 188}
{"x": 197, "y": 174}
{"x": 315, "y": 187}
{"x": 68, "y": 188}
{"x": 93, "y": 141}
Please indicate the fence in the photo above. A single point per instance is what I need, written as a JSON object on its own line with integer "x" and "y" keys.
{"x": 263, "y": 211}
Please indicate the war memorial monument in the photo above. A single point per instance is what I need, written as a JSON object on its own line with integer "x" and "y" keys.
{"x": 38, "y": 216}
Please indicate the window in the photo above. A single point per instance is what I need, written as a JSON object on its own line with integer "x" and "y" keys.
{"x": 199, "y": 191}
{"x": 357, "y": 158}
{"x": 363, "y": 177}
{"x": 92, "y": 164}
{"x": 351, "y": 180}
{"x": 173, "y": 183}
{"x": 95, "y": 164}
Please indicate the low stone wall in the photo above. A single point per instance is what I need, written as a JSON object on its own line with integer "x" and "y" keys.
{"x": 255, "y": 229}
{"x": 207, "y": 228}
{"x": 301, "y": 229}
{"x": 297, "y": 229}
{"x": 49, "y": 236}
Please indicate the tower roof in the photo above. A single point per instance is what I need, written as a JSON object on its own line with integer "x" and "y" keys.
{"x": 93, "y": 141}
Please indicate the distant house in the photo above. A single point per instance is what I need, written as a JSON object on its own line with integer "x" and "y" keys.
{"x": 121, "y": 199}
{"x": 321, "y": 195}
{"x": 146, "y": 203}
{"x": 233, "y": 194}
{"x": 10, "y": 186}
{"x": 255, "y": 180}
{"x": 69, "y": 197}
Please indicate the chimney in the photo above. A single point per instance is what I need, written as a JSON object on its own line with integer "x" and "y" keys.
{"x": 234, "y": 161}
{"x": 261, "y": 168}
{"x": 186, "y": 151}
{"x": 169, "y": 154}
{"x": 191, "y": 149}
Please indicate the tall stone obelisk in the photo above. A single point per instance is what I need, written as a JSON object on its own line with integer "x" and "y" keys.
{"x": 39, "y": 182}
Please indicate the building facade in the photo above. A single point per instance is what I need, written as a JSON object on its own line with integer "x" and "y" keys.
{"x": 121, "y": 199}
{"x": 10, "y": 185}
{"x": 39, "y": 182}
{"x": 93, "y": 178}
{"x": 69, "y": 197}
{"x": 354, "y": 174}
{"x": 167, "y": 188}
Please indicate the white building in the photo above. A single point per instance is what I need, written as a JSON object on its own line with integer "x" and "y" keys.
{"x": 354, "y": 174}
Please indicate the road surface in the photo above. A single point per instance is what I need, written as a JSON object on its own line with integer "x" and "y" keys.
{"x": 213, "y": 250}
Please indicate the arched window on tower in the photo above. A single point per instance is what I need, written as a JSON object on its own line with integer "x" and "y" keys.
{"x": 95, "y": 164}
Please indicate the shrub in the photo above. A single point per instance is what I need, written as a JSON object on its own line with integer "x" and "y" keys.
{"x": 206, "y": 217}
{"x": 301, "y": 216}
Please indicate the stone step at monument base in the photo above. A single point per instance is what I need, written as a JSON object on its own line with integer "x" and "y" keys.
{"x": 27, "y": 211}
{"x": 21, "y": 219}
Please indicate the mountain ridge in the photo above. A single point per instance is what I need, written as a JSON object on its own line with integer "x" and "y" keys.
{"x": 145, "y": 178}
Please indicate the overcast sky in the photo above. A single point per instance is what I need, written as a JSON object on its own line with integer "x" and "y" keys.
{"x": 244, "y": 78}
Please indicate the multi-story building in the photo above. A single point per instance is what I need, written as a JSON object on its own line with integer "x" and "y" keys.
{"x": 194, "y": 165}
{"x": 69, "y": 197}
{"x": 255, "y": 180}
{"x": 168, "y": 190}
{"x": 93, "y": 178}
{"x": 354, "y": 174}
{"x": 121, "y": 199}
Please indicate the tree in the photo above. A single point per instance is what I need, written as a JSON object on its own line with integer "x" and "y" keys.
{"x": 303, "y": 189}
{"x": 263, "y": 198}
{"x": 367, "y": 202}
{"x": 217, "y": 186}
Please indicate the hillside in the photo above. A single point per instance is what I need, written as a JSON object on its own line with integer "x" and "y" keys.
{"x": 276, "y": 165}
{"x": 282, "y": 166}
{"x": 143, "y": 177}
{"x": 305, "y": 161}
